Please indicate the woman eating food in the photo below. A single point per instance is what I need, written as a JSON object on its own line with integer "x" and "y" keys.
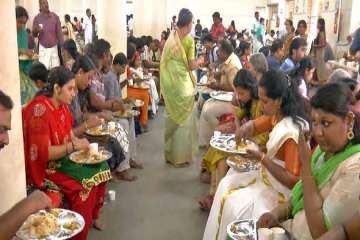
{"x": 246, "y": 107}
{"x": 48, "y": 142}
{"x": 328, "y": 193}
{"x": 250, "y": 194}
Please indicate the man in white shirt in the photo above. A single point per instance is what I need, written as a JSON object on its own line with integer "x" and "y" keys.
{"x": 88, "y": 27}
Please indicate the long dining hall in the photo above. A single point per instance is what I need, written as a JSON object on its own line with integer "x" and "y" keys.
{"x": 180, "y": 119}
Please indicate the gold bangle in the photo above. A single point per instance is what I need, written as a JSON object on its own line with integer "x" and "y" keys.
{"x": 86, "y": 126}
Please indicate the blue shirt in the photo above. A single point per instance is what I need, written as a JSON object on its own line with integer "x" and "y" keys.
{"x": 287, "y": 65}
{"x": 355, "y": 46}
{"x": 273, "y": 63}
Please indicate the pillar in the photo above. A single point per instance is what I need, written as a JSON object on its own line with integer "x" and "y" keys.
{"x": 150, "y": 17}
{"x": 12, "y": 170}
{"x": 111, "y": 20}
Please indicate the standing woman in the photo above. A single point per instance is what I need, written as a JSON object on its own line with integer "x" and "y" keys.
{"x": 28, "y": 88}
{"x": 178, "y": 89}
{"x": 289, "y": 35}
{"x": 318, "y": 51}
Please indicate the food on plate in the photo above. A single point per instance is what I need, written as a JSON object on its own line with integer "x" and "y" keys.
{"x": 72, "y": 226}
{"x": 42, "y": 225}
{"x": 87, "y": 157}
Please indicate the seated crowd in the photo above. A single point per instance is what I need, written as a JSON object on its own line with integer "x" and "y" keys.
{"x": 303, "y": 117}
{"x": 60, "y": 104}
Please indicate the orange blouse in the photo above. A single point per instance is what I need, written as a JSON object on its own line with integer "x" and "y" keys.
{"x": 288, "y": 152}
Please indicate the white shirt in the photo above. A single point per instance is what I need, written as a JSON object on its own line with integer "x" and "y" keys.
{"x": 88, "y": 29}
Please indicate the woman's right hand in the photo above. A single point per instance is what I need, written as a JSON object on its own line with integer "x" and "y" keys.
{"x": 245, "y": 131}
{"x": 81, "y": 144}
{"x": 267, "y": 220}
{"x": 107, "y": 115}
{"x": 93, "y": 121}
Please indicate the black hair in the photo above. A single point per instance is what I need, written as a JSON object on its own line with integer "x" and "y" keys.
{"x": 70, "y": 46}
{"x": 156, "y": 42}
{"x": 88, "y": 10}
{"x": 120, "y": 59}
{"x": 232, "y": 23}
{"x": 296, "y": 44}
{"x": 207, "y": 38}
{"x": 6, "y": 101}
{"x": 21, "y": 12}
{"x": 243, "y": 46}
{"x": 84, "y": 63}
{"x": 256, "y": 13}
{"x": 262, "y": 20}
{"x": 244, "y": 79}
{"x": 227, "y": 47}
{"x": 278, "y": 85}
{"x": 38, "y": 71}
{"x": 290, "y": 22}
{"x": 67, "y": 18}
{"x": 58, "y": 75}
{"x": 131, "y": 50}
{"x": 320, "y": 22}
{"x": 265, "y": 50}
{"x": 101, "y": 47}
{"x": 75, "y": 19}
{"x": 276, "y": 45}
{"x": 297, "y": 74}
{"x": 149, "y": 40}
{"x": 166, "y": 35}
{"x": 302, "y": 22}
{"x": 216, "y": 15}
{"x": 272, "y": 32}
{"x": 185, "y": 17}
{"x": 335, "y": 98}
{"x": 139, "y": 43}
{"x": 352, "y": 84}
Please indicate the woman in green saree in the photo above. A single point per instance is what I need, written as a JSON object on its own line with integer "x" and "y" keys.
{"x": 28, "y": 88}
{"x": 178, "y": 89}
{"x": 328, "y": 192}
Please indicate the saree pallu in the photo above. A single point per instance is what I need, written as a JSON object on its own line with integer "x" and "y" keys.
{"x": 340, "y": 196}
{"x": 178, "y": 89}
{"x": 322, "y": 70}
{"x": 250, "y": 194}
{"x": 28, "y": 89}
{"x": 45, "y": 126}
{"x": 181, "y": 141}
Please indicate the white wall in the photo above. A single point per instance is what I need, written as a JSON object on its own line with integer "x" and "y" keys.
{"x": 151, "y": 17}
{"x": 241, "y": 11}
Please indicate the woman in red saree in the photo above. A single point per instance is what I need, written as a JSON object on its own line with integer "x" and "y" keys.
{"x": 48, "y": 141}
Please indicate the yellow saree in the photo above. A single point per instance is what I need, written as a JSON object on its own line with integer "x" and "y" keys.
{"x": 178, "y": 90}
{"x": 213, "y": 156}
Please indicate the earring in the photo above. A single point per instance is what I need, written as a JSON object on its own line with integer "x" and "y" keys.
{"x": 350, "y": 133}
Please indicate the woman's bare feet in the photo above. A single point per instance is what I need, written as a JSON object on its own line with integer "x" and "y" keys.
{"x": 97, "y": 225}
{"x": 125, "y": 176}
{"x": 136, "y": 165}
